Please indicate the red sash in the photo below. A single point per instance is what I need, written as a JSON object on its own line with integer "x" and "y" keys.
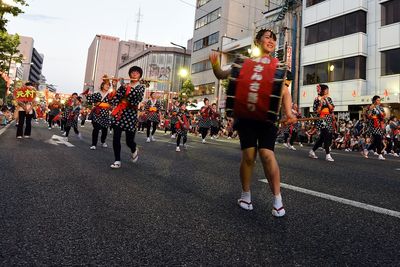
{"x": 205, "y": 112}
{"x": 253, "y": 88}
{"x": 185, "y": 123}
{"x": 123, "y": 104}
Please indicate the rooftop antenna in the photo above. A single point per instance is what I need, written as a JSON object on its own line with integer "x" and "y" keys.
{"x": 139, "y": 16}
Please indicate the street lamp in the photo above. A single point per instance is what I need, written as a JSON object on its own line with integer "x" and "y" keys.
{"x": 183, "y": 73}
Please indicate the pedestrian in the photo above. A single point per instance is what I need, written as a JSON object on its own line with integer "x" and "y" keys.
{"x": 258, "y": 135}
{"x": 323, "y": 106}
{"x": 153, "y": 108}
{"x": 124, "y": 116}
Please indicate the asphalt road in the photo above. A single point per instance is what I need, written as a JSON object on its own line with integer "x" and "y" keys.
{"x": 63, "y": 205}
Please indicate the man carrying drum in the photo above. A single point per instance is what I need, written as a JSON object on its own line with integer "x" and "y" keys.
{"x": 255, "y": 120}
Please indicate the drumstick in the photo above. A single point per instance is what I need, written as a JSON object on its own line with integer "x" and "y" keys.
{"x": 142, "y": 80}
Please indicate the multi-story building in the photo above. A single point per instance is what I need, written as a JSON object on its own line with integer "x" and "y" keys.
{"x": 353, "y": 47}
{"x": 102, "y": 59}
{"x": 218, "y": 22}
{"x": 105, "y": 55}
{"x": 161, "y": 65}
{"x": 32, "y": 62}
{"x": 35, "y": 66}
{"x": 128, "y": 49}
{"x": 284, "y": 18}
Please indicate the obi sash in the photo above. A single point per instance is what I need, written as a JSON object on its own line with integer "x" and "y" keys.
{"x": 324, "y": 112}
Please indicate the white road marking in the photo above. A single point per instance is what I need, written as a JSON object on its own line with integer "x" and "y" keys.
{"x": 56, "y": 140}
{"x": 340, "y": 200}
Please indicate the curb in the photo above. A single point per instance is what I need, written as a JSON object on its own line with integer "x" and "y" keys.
{"x": 5, "y": 128}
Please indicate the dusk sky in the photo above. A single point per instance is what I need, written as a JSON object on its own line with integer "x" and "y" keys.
{"x": 63, "y": 30}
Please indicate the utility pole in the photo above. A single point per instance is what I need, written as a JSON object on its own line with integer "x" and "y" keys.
{"x": 139, "y": 16}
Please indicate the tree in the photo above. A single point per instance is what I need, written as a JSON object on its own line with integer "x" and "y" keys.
{"x": 9, "y": 50}
{"x": 12, "y": 9}
{"x": 186, "y": 92}
{"x": 224, "y": 84}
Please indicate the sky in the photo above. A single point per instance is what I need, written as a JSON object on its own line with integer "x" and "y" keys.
{"x": 64, "y": 29}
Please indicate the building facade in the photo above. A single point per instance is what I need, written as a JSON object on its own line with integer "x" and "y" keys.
{"x": 102, "y": 59}
{"x": 161, "y": 65}
{"x": 36, "y": 66}
{"x": 353, "y": 47}
{"x": 32, "y": 62}
{"x": 105, "y": 55}
{"x": 218, "y": 22}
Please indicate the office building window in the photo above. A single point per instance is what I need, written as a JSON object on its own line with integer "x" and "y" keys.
{"x": 206, "y": 41}
{"x": 210, "y": 17}
{"x": 390, "y": 12}
{"x": 202, "y": 2}
{"x": 201, "y": 66}
{"x": 390, "y": 62}
{"x": 337, "y": 27}
{"x": 337, "y": 70}
{"x": 313, "y": 2}
{"x": 204, "y": 89}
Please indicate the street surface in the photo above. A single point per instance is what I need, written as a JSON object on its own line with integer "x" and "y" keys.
{"x": 61, "y": 204}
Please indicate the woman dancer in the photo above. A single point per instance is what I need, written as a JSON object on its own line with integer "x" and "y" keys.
{"x": 73, "y": 111}
{"x": 323, "y": 106}
{"x": 100, "y": 113}
{"x": 259, "y": 136}
{"x": 124, "y": 116}
{"x": 153, "y": 107}
{"x": 205, "y": 120}
{"x": 215, "y": 121}
{"x": 376, "y": 115}
{"x": 182, "y": 126}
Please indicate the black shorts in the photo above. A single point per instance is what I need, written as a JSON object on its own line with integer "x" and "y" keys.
{"x": 256, "y": 134}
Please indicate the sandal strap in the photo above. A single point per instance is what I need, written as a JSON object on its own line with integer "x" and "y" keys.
{"x": 281, "y": 208}
{"x": 245, "y": 202}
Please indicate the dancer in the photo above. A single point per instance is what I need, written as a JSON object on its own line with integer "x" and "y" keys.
{"x": 73, "y": 111}
{"x": 153, "y": 107}
{"x": 124, "y": 116}
{"x": 182, "y": 126}
{"x": 24, "y": 111}
{"x": 376, "y": 125}
{"x": 258, "y": 135}
{"x": 323, "y": 106}
{"x": 100, "y": 113}
{"x": 292, "y": 130}
{"x": 215, "y": 121}
{"x": 54, "y": 109}
{"x": 205, "y": 120}
{"x": 174, "y": 119}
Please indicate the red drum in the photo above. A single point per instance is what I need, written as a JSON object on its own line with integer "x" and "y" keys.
{"x": 255, "y": 89}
